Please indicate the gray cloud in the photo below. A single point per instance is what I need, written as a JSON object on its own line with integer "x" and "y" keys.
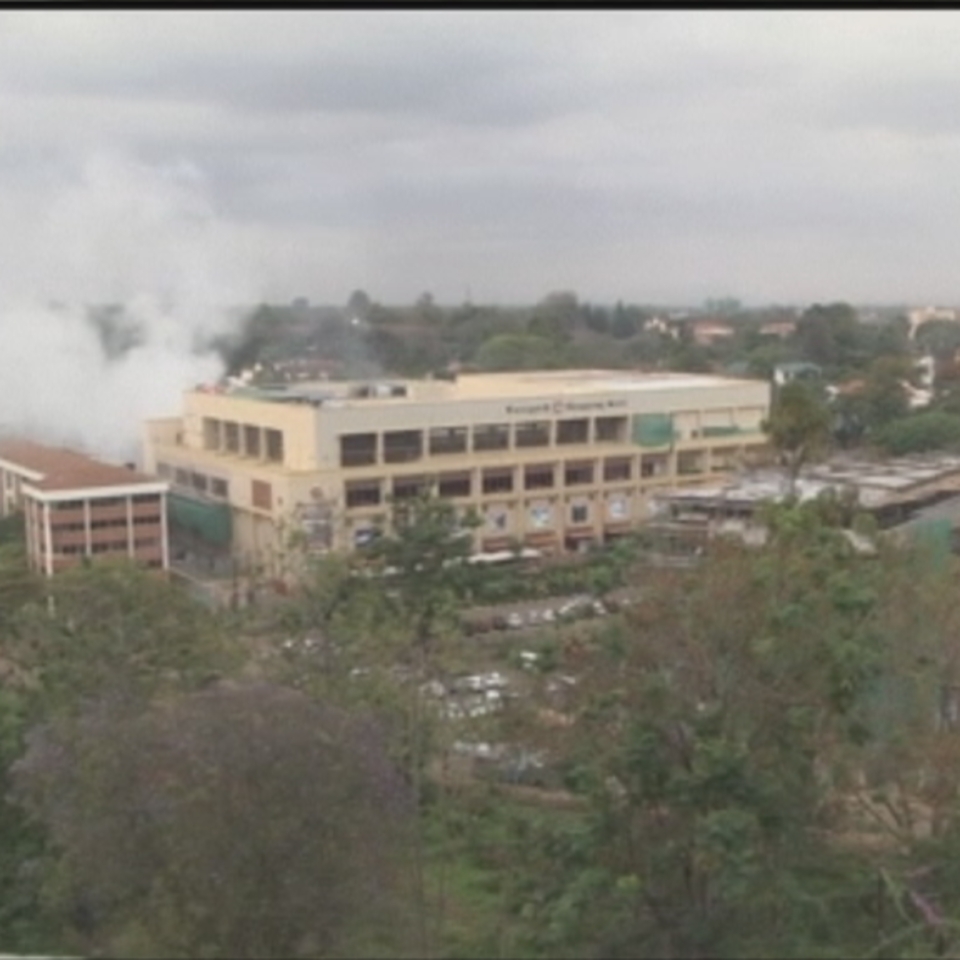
{"x": 646, "y": 155}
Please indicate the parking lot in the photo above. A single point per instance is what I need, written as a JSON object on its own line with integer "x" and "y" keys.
{"x": 537, "y": 613}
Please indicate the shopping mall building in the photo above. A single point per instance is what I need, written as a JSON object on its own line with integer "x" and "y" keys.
{"x": 552, "y": 460}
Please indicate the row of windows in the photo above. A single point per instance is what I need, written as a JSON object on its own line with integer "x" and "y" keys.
{"x": 243, "y": 439}
{"x": 402, "y": 446}
{"x": 493, "y": 480}
{"x": 79, "y": 526}
{"x": 101, "y": 502}
{"x": 111, "y": 546}
{"x": 191, "y": 479}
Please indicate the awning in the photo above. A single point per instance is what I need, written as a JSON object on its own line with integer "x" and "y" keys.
{"x": 209, "y": 521}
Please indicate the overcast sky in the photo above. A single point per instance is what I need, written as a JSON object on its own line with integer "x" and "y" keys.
{"x": 645, "y": 156}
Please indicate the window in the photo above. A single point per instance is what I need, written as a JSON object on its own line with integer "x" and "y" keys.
{"x": 109, "y": 546}
{"x": 146, "y": 498}
{"x": 106, "y": 524}
{"x": 358, "y": 449}
{"x": 453, "y": 485}
{"x": 198, "y": 482}
{"x": 251, "y": 440}
{"x": 580, "y": 513}
{"x": 362, "y": 493}
{"x": 211, "y": 434}
{"x": 538, "y": 476}
{"x": 578, "y": 473}
{"x": 275, "y": 446}
{"x": 443, "y": 440}
{"x": 261, "y": 494}
{"x": 405, "y": 488}
{"x": 402, "y": 446}
{"x": 616, "y": 469}
{"x": 182, "y": 478}
{"x": 690, "y": 462}
{"x": 491, "y": 436}
{"x": 654, "y": 466}
{"x": 497, "y": 481}
{"x": 218, "y": 488}
{"x": 535, "y": 433}
{"x": 611, "y": 429}
{"x": 573, "y": 431}
{"x": 73, "y": 504}
{"x": 105, "y": 502}
{"x": 142, "y": 521}
{"x": 231, "y": 437}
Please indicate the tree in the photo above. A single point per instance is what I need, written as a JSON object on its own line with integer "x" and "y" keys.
{"x": 920, "y": 432}
{"x": 799, "y": 426}
{"x": 555, "y": 317}
{"x": 115, "y": 629}
{"x": 240, "y": 821}
{"x": 358, "y": 306}
{"x": 423, "y": 561}
{"x": 884, "y": 394}
{"x": 721, "y": 744}
{"x": 19, "y": 585}
{"x": 940, "y": 338}
{"x": 625, "y": 323}
{"x": 829, "y": 335}
{"x": 427, "y": 311}
{"x": 517, "y": 351}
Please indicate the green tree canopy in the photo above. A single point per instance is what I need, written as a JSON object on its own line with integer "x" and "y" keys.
{"x": 799, "y": 425}
{"x": 240, "y": 821}
{"x": 721, "y": 742}
{"x": 829, "y": 335}
{"x": 115, "y": 629}
{"x": 517, "y": 351}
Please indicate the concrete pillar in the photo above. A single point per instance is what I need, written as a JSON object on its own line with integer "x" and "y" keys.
{"x": 164, "y": 535}
{"x": 87, "y": 536}
{"x": 47, "y": 542}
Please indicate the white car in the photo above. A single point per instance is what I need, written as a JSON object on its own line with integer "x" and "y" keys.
{"x": 514, "y": 621}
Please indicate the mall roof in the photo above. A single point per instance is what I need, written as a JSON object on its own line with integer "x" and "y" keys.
{"x": 480, "y": 386}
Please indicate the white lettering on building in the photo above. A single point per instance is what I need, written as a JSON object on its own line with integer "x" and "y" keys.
{"x": 566, "y": 406}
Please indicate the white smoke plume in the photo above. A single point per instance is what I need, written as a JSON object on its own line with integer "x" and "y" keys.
{"x": 123, "y": 233}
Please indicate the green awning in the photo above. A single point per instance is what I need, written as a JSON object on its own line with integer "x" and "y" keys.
{"x": 209, "y": 521}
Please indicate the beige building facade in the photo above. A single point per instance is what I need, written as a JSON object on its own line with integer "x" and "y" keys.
{"x": 552, "y": 460}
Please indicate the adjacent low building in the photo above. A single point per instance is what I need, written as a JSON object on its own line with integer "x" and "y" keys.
{"x": 76, "y": 507}
{"x": 906, "y": 493}
{"x": 550, "y": 460}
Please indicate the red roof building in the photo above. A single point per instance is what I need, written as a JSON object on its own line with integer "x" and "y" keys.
{"x": 76, "y": 507}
